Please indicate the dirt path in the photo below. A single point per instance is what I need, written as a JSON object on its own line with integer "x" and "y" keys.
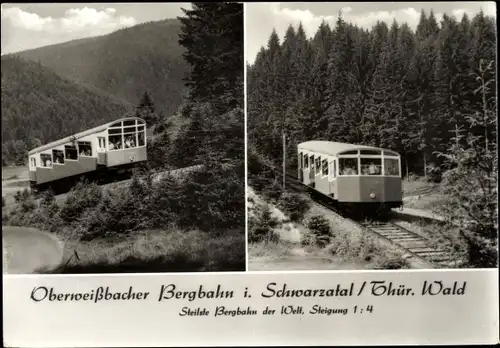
{"x": 298, "y": 263}
{"x": 28, "y": 250}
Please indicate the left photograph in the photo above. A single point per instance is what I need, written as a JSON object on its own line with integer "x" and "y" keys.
{"x": 123, "y": 138}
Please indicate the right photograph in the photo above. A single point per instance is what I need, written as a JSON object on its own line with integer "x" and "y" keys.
{"x": 371, "y": 135}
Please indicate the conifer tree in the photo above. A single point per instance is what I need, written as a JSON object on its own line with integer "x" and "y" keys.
{"x": 212, "y": 34}
{"x": 147, "y": 111}
{"x": 392, "y": 87}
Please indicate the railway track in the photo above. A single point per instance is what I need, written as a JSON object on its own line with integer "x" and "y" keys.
{"x": 414, "y": 245}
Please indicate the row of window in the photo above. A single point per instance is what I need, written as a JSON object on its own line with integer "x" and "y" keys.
{"x": 350, "y": 166}
{"x": 126, "y": 140}
{"x": 71, "y": 152}
{"x": 126, "y": 134}
{"x": 84, "y": 148}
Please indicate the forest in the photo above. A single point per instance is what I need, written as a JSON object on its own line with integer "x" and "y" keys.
{"x": 84, "y": 83}
{"x": 411, "y": 91}
{"x": 124, "y": 63}
{"x": 39, "y": 106}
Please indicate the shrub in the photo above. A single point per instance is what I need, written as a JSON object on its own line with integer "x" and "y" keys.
{"x": 295, "y": 205}
{"x": 81, "y": 197}
{"x": 212, "y": 199}
{"x": 471, "y": 187}
{"x": 27, "y": 201}
{"x": 434, "y": 173}
{"x": 393, "y": 261}
{"x": 24, "y": 212}
{"x": 117, "y": 213}
{"x": 274, "y": 191}
{"x": 47, "y": 198}
{"x": 414, "y": 177}
{"x": 307, "y": 239}
{"x": 261, "y": 227}
{"x": 320, "y": 228}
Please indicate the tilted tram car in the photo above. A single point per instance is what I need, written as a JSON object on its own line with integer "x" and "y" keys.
{"x": 102, "y": 153}
{"x": 352, "y": 175}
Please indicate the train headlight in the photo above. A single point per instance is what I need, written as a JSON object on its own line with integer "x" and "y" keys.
{"x": 372, "y": 195}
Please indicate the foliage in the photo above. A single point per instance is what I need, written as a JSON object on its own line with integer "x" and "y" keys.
{"x": 213, "y": 198}
{"x": 261, "y": 228}
{"x": 124, "y": 64}
{"x": 472, "y": 177}
{"x": 147, "y": 111}
{"x": 33, "y": 97}
{"x": 168, "y": 249}
{"x": 295, "y": 205}
{"x": 82, "y": 197}
{"x": 214, "y": 132}
{"x": 212, "y": 34}
{"x": 434, "y": 173}
{"x": 471, "y": 185}
{"x": 395, "y": 261}
{"x": 389, "y": 86}
{"x": 320, "y": 229}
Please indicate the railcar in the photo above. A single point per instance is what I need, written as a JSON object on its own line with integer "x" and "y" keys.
{"x": 105, "y": 153}
{"x": 355, "y": 176}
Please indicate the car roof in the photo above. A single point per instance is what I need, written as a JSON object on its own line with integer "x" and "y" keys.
{"x": 334, "y": 148}
{"x": 81, "y": 135}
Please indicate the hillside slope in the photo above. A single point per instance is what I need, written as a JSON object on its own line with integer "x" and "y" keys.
{"x": 38, "y": 106}
{"x": 125, "y": 63}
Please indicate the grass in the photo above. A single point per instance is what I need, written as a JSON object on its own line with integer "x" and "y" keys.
{"x": 14, "y": 172}
{"x": 18, "y": 184}
{"x": 429, "y": 201}
{"x": 269, "y": 249}
{"x": 170, "y": 250}
{"x": 415, "y": 184}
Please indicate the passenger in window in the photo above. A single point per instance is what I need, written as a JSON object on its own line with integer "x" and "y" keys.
{"x": 373, "y": 169}
{"x": 349, "y": 171}
{"x": 48, "y": 163}
{"x": 129, "y": 143}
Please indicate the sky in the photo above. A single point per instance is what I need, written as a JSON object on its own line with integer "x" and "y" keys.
{"x": 27, "y": 26}
{"x": 261, "y": 18}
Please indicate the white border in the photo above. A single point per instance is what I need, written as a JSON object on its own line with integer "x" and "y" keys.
{"x": 199, "y": 276}
{"x": 245, "y": 108}
{"x": 398, "y": 320}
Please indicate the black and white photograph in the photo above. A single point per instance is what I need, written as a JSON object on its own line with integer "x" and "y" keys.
{"x": 123, "y": 138}
{"x": 371, "y": 135}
